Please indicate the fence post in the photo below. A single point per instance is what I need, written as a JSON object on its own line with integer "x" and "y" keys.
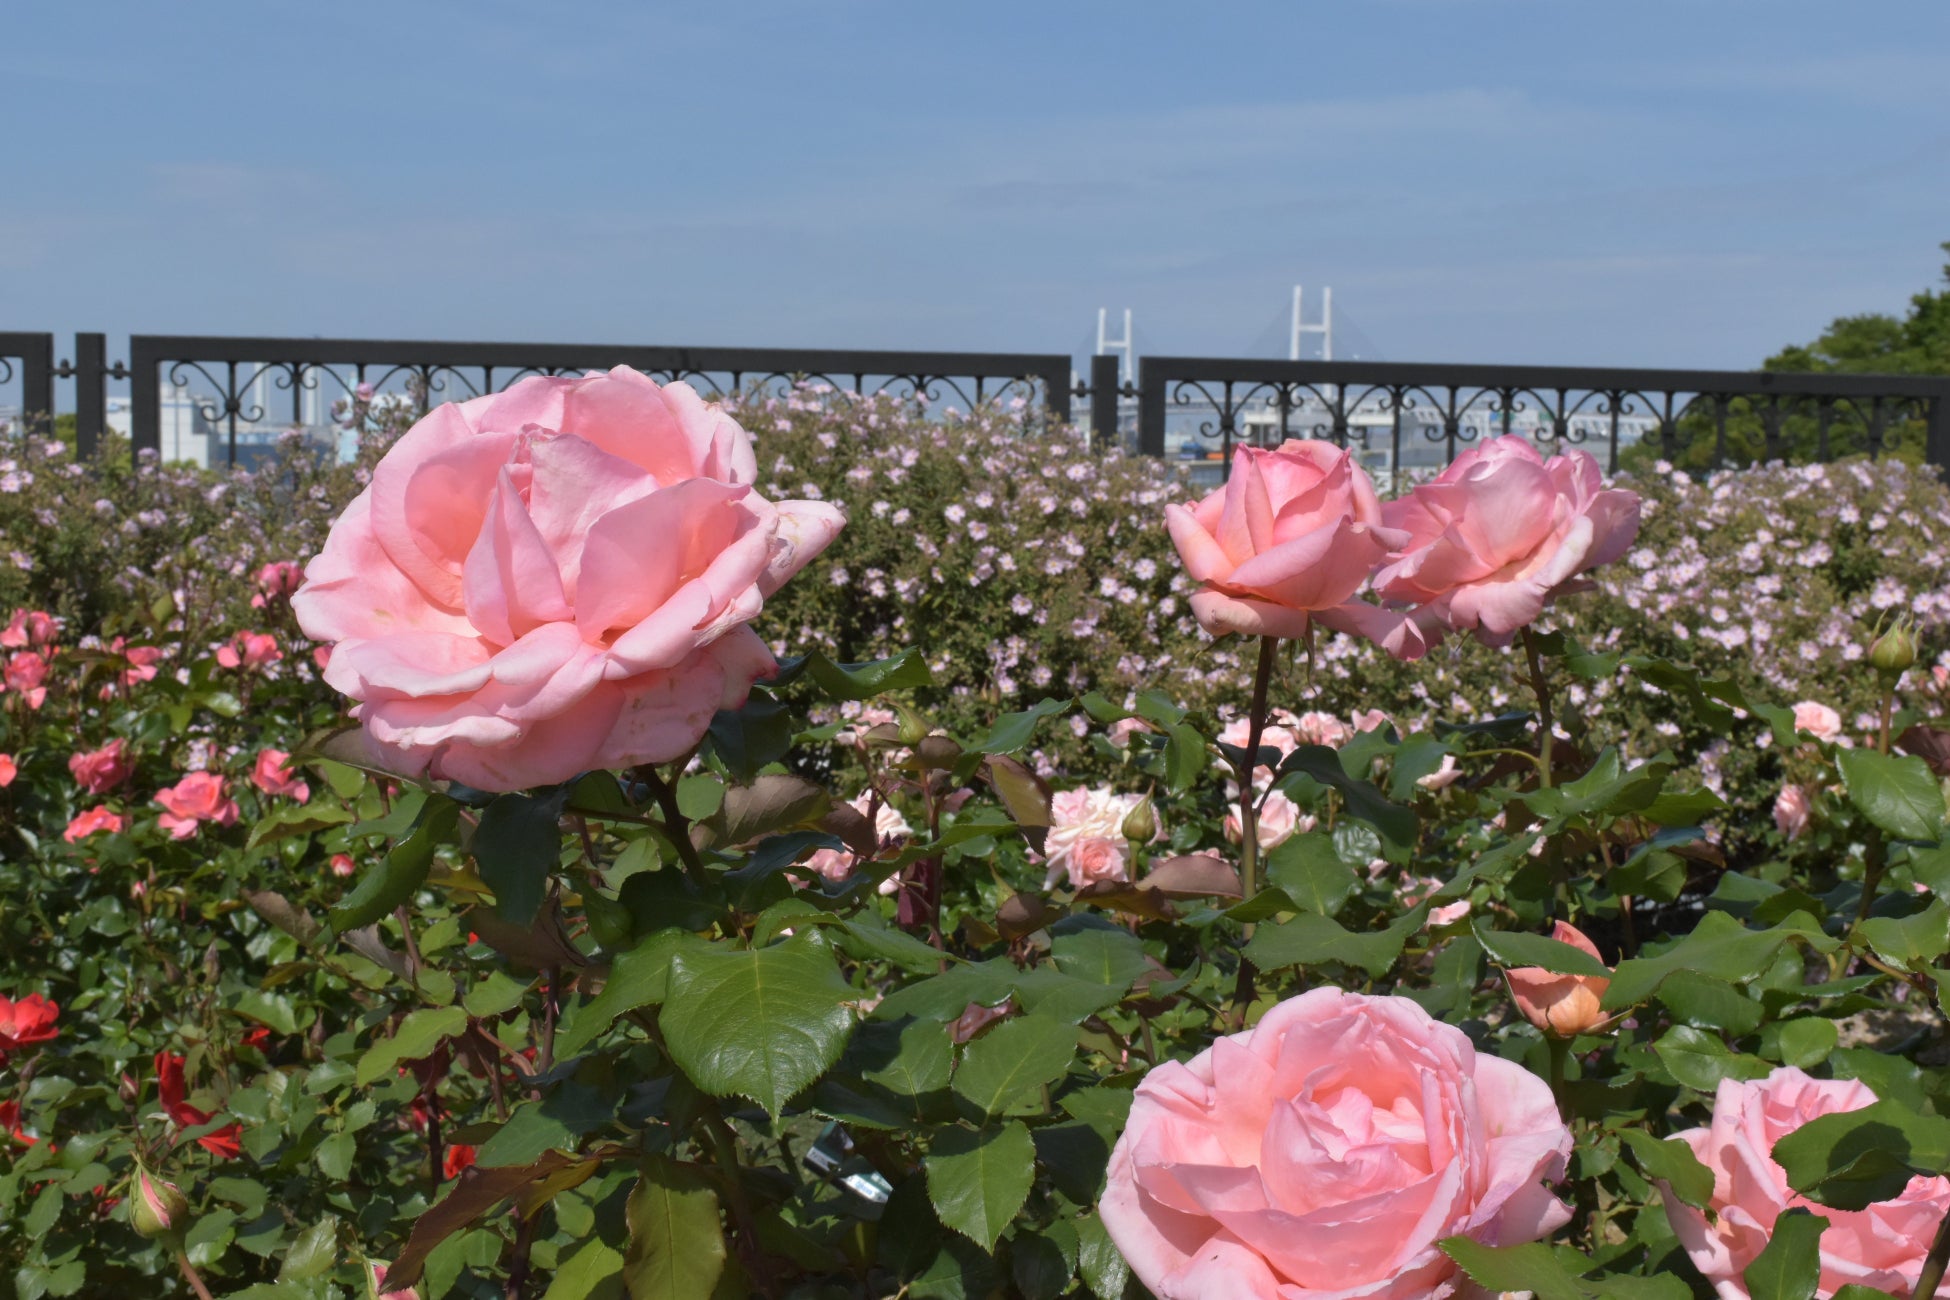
{"x": 90, "y": 395}
{"x": 37, "y": 378}
{"x": 1103, "y": 402}
{"x": 1151, "y": 411}
{"x": 1936, "y": 438}
{"x": 145, "y": 397}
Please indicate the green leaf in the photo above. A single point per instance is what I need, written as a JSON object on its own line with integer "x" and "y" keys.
{"x": 1308, "y": 940}
{"x": 531, "y": 1132}
{"x": 907, "y": 670}
{"x": 978, "y": 1180}
{"x": 1673, "y": 1163}
{"x": 495, "y": 995}
{"x": 676, "y": 1249}
{"x": 314, "y": 1253}
{"x": 417, "y": 1037}
{"x": 1853, "y": 1159}
{"x": 1707, "y": 1003}
{"x": 1532, "y": 1267}
{"x": 1099, "y": 1262}
{"x": 746, "y": 739}
{"x": 1515, "y": 948}
{"x": 913, "y": 1058}
{"x": 1789, "y": 1266}
{"x": 518, "y": 845}
{"x": 1700, "y": 1060}
{"x": 1896, "y": 792}
{"x": 297, "y": 819}
{"x": 1012, "y": 731}
{"x": 593, "y": 1272}
{"x": 1186, "y": 757}
{"x": 1913, "y": 942}
{"x": 1719, "y": 946}
{"x": 1007, "y": 1068}
{"x": 763, "y": 1023}
{"x": 1803, "y": 1042}
{"x": 1102, "y": 954}
{"x": 394, "y": 881}
{"x": 1683, "y": 807}
{"x": 1397, "y": 824}
{"x": 1311, "y": 873}
{"x": 638, "y": 978}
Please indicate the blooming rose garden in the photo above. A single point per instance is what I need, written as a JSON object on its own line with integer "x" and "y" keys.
{"x": 606, "y": 843}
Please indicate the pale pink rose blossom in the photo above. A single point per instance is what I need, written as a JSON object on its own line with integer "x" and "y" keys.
{"x": 1288, "y": 540}
{"x": 250, "y": 651}
{"x": 1817, "y": 719}
{"x": 889, "y": 828}
{"x": 1443, "y": 777}
{"x": 555, "y": 578}
{"x": 1498, "y": 535}
{"x": 198, "y": 797}
{"x": 1372, "y": 720}
{"x": 1077, "y": 818}
{"x": 97, "y": 771}
{"x": 271, "y": 775}
{"x": 1323, "y": 729}
{"x": 1791, "y": 811}
{"x": 1326, "y": 1152}
{"x": 1882, "y": 1246}
{"x": 1123, "y": 729}
{"x": 1279, "y": 820}
{"x": 277, "y": 581}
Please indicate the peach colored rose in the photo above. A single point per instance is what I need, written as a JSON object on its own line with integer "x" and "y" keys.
{"x": 95, "y": 819}
{"x": 1791, "y": 811}
{"x": 198, "y": 797}
{"x": 1498, "y": 534}
{"x": 1818, "y": 720}
{"x": 1288, "y": 540}
{"x": 1563, "y": 1004}
{"x": 272, "y": 776}
{"x": 1092, "y": 818}
{"x": 1882, "y": 1246}
{"x": 1325, "y": 1152}
{"x": 555, "y": 578}
{"x": 98, "y": 771}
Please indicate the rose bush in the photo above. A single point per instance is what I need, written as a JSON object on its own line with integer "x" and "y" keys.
{"x": 810, "y": 1014}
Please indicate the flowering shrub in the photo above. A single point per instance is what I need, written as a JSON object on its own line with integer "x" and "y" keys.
{"x": 1191, "y": 969}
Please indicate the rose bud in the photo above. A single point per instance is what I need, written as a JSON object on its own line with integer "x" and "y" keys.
{"x": 1892, "y": 653}
{"x": 1565, "y": 1005}
{"x": 158, "y": 1208}
{"x": 1140, "y": 825}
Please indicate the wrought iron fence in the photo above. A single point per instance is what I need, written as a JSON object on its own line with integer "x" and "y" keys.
{"x": 237, "y": 393}
{"x": 1406, "y": 417}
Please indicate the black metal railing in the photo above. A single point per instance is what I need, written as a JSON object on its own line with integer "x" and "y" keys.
{"x": 29, "y": 358}
{"x": 227, "y": 384}
{"x": 1405, "y": 416}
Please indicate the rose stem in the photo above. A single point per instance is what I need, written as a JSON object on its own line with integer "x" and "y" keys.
{"x": 1545, "y": 728}
{"x": 1242, "y": 993}
{"x": 1882, "y": 730}
{"x": 675, "y": 823}
{"x": 196, "y": 1281}
{"x": 1932, "y": 1274}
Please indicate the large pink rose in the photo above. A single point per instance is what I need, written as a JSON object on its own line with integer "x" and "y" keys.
{"x": 198, "y": 797}
{"x": 1289, "y": 539}
{"x": 1499, "y": 533}
{"x": 1086, "y": 840}
{"x": 1324, "y": 1153}
{"x": 1882, "y": 1246}
{"x": 555, "y": 578}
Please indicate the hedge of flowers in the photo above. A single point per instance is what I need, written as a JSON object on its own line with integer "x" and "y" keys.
{"x": 1340, "y": 915}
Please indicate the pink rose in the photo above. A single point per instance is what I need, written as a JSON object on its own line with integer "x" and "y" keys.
{"x": 1882, "y": 1246}
{"x": 1324, "y": 729}
{"x": 272, "y": 776}
{"x": 342, "y": 865}
{"x": 1123, "y": 729}
{"x": 1499, "y": 534}
{"x": 1077, "y": 818}
{"x": 142, "y": 661}
{"x": 1325, "y": 1151}
{"x": 1563, "y": 1004}
{"x": 8, "y": 771}
{"x": 198, "y": 797}
{"x": 30, "y": 627}
{"x": 1288, "y": 540}
{"x": 25, "y": 673}
{"x": 277, "y": 581}
{"x": 555, "y": 578}
{"x": 1279, "y": 819}
{"x": 1443, "y": 777}
{"x": 1372, "y": 720}
{"x": 1791, "y": 811}
{"x": 100, "y": 770}
{"x": 95, "y": 819}
{"x": 1818, "y": 720}
{"x": 889, "y": 828}
{"x": 249, "y": 651}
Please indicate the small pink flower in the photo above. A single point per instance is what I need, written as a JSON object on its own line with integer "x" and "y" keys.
{"x": 277, "y": 581}
{"x": 1818, "y": 720}
{"x": 1372, "y": 720}
{"x": 98, "y": 771}
{"x": 98, "y": 818}
{"x": 30, "y": 627}
{"x": 1324, "y": 729}
{"x": 1791, "y": 811}
{"x": 1279, "y": 820}
{"x": 1123, "y": 729}
{"x": 1443, "y": 777}
{"x": 8, "y": 770}
{"x": 1079, "y": 818}
{"x": 272, "y": 776}
{"x": 250, "y": 651}
{"x": 142, "y": 661}
{"x": 342, "y": 865}
{"x": 198, "y": 797}
{"x": 26, "y": 672}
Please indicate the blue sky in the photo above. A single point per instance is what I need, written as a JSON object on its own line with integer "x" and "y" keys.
{"x": 1535, "y": 181}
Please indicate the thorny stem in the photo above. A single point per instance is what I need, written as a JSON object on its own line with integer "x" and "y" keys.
{"x": 1545, "y": 727}
{"x": 678, "y": 825}
{"x": 1932, "y": 1274}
